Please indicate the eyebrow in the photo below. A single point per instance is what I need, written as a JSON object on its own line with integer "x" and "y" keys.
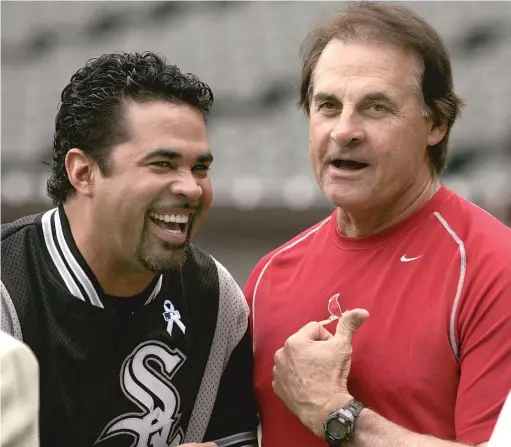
{"x": 375, "y": 96}
{"x": 324, "y": 97}
{"x": 170, "y": 154}
{"x": 378, "y": 96}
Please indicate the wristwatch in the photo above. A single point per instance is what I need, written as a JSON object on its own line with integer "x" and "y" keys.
{"x": 340, "y": 425}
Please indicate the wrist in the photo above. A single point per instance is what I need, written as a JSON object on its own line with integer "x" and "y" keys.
{"x": 339, "y": 427}
{"x": 317, "y": 421}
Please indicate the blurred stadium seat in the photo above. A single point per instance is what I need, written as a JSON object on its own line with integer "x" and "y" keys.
{"x": 248, "y": 53}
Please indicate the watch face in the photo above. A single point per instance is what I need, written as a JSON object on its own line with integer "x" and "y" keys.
{"x": 336, "y": 429}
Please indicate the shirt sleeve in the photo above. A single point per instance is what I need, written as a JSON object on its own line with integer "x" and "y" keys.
{"x": 484, "y": 342}
{"x": 252, "y": 284}
{"x": 9, "y": 318}
{"x": 234, "y": 420}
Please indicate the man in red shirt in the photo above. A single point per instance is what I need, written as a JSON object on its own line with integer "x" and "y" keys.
{"x": 430, "y": 367}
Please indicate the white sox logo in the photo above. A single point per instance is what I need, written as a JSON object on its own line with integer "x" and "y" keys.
{"x": 146, "y": 380}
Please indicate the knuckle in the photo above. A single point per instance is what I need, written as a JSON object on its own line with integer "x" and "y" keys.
{"x": 352, "y": 326}
{"x": 312, "y": 325}
{"x": 288, "y": 344}
{"x": 347, "y": 349}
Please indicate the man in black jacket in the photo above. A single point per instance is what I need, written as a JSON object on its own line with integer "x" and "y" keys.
{"x": 141, "y": 337}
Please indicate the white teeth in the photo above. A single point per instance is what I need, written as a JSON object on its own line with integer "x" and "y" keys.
{"x": 177, "y": 218}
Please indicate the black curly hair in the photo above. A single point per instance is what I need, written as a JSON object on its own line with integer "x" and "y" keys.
{"x": 90, "y": 111}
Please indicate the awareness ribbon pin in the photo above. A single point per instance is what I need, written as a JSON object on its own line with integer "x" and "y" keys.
{"x": 172, "y": 316}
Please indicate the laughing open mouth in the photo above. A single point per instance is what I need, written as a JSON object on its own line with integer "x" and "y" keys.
{"x": 171, "y": 222}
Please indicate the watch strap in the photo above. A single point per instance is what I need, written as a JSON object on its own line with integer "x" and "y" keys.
{"x": 354, "y": 407}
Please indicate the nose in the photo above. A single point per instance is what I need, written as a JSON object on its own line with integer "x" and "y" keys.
{"x": 187, "y": 186}
{"x": 347, "y": 130}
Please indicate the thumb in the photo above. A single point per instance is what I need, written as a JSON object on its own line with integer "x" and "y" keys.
{"x": 350, "y": 322}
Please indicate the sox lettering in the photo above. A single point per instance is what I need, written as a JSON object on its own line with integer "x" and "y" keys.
{"x": 154, "y": 426}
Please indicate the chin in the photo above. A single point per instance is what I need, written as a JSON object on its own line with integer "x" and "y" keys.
{"x": 345, "y": 197}
{"x": 160, "y": 265}
{"x": 354, "y": 202}
{"x": 163, "y": 258}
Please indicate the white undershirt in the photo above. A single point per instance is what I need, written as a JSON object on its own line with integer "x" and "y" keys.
{"x": 501, "y": 436}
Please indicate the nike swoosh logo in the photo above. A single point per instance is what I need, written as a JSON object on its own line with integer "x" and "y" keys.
{"x": 405, "y": 259}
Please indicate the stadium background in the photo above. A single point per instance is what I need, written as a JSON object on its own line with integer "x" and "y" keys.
{"x": 248, "y": 53}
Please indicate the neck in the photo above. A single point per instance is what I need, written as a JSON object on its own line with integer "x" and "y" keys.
{"x": 116, "y": 278}
{"x": 377, "y": 220}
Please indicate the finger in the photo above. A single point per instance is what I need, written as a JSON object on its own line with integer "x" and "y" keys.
{"x": 276, "y": 375}
{"x": 350, "y": 322}
{"x": 313, "y": 331}
{"x": 277, "y": 357}
{"x": 323, "y": 334}
{"x": 276, "y": 389}
{"x": 274, "y": 386}
{"x": 309, "y": 330}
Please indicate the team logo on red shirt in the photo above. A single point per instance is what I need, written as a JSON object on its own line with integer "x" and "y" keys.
{"x": 334, "y": 309}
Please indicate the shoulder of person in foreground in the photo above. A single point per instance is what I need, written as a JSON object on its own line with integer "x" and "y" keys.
{"x": 19, "y": 391}
{"x": 14, "y": 236}
{"x": 501, "y": 436}
{"x": 10, "y": 229}
{"x": 264, "y": 262}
